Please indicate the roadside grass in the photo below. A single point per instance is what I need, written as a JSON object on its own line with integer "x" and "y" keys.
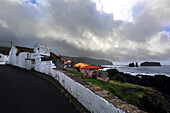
{"x": 77, "y": 73}
{"x": 131, "y": 93}
{"x": 126, "y": 85}
{"x": 145, "y": 98}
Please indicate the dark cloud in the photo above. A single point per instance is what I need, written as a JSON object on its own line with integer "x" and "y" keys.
{"x": 76, "y": 28}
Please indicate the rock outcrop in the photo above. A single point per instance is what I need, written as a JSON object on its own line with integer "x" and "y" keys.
{"x": 136, "y": 64}
{"x": 131, "y": 65}
{"x": 150, "y": 64}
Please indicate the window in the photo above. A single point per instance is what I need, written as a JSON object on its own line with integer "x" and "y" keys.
{"x": 0, "y": 56}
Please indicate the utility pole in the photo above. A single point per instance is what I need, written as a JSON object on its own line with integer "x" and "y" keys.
{"x": 11, "y": 43}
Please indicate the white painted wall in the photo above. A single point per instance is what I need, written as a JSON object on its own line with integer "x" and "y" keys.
{"x": 23, "y": 59}
{"x": 43, "y": 67}
{"x": 12, "y": 56}
{"x": 29, "y": 61}
{"x": 3, "y": 58}
{"x": 87, "y": 98}
{"x": 42, "y": 49}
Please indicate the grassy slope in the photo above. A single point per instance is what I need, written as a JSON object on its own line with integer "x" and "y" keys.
{"x": 77, "y": 73}
{"x": 145, "y": 98}
{"x": 128, "y": 92}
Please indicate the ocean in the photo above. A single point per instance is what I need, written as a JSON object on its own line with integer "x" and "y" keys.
{"x": 145, "y": 70}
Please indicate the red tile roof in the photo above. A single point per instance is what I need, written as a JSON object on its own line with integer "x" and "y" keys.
{"x": 24, "y": 49}
{"x": 91, "y": 67}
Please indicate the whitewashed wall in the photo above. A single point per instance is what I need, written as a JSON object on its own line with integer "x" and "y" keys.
{"x": 12, "y": 56}
{"x": 22, "y": 59}
{"x": 87, "y": 98}
{"x": 30, "y": 61}
{"x": 43, "y": 67}
{"x": 3, "y": 58}
{"x": 42, "y": 49}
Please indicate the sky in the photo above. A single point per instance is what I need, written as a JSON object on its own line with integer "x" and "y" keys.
{"x": 121, "y": 31}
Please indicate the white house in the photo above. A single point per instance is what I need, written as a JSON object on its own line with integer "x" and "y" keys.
{"x": 3, "y": 58}
{"x": 21, "y": 57}
{"x": 31, "y": 58}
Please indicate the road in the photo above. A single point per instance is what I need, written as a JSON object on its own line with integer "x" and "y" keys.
{"x": 23, "y": 92}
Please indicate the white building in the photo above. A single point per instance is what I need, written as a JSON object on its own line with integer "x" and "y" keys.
{"x": 3, "y": 58}
{"x": 22, "y": 57}
{"x": 42, "y": 49}
{"x": 31, "y": 58}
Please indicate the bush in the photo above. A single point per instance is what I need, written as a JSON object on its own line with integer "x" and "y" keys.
{"x": 118, "y": 77}
{"x": 113, "y": 71}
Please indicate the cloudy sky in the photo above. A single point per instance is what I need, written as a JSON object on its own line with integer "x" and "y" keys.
{"x": 117, "y": 30}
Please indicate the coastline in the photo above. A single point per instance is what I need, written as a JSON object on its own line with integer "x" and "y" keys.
{"x": 163, "y": 70}
{"x": 147, "y": 74}
{"x": 158, "y": 82}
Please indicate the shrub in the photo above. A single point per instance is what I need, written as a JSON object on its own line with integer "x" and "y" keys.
{"x": 113, "y": 71}
{"x": 118, "y": 77}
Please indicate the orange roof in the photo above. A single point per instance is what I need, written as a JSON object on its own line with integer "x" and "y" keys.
{"x": 80, "y": 65}
{"x": 91, "y": 67}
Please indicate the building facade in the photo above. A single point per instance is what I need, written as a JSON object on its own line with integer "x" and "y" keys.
{"x": 3, "y": 58}
{"x": 38, "y": 58}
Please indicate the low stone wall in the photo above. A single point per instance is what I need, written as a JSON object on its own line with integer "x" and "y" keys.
{"x": 43, "y": 67}
{"x": 86, "y": 97}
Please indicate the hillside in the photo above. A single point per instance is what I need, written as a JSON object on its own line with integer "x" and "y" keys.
{"x": 4, "y": 50}
{"x": 88, "y": 60}
{"x": 145, "y": 98}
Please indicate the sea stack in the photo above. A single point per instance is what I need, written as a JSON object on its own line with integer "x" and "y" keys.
{"x": 150, "y": 64}
{"x": 136, "y": 64}
{"x": 131, "y": 65}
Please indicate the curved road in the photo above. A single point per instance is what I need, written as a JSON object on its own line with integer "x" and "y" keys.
{"x": 23, "y": 92}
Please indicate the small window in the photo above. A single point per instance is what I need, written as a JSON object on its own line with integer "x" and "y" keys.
{"x": 0, "y": 56}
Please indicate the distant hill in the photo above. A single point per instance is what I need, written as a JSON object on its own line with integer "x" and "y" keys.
{"x": 5, "y": 50}
{"x": 88, "y": 60}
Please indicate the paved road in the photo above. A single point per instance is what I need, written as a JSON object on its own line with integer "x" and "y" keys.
{"x": 23, "y": 92}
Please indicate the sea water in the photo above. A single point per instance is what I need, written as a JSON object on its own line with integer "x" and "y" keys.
{"x": 145, "y": 70}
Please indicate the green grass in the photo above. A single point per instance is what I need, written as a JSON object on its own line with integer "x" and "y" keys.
{"x": 77, "y": 73}
{"x": 126, "y": 85}
{"x": 140, "y": 96}
{"x": 130, "y": 93}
